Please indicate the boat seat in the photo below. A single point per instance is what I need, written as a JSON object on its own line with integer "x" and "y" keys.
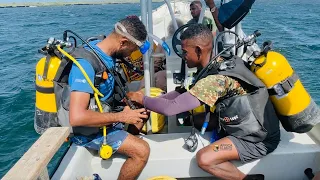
{"x": 168, "y": 157}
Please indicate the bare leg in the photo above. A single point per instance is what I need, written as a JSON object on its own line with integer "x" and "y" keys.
{"x": 138, "y": 152}
{"x": 215, "y": 158}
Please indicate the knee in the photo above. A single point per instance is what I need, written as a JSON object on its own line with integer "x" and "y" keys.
{"x": 203, "y": 160}
{"x": 142, "y": 151}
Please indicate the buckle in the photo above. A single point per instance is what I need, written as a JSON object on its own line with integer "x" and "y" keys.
{"x": 287, "y": 85}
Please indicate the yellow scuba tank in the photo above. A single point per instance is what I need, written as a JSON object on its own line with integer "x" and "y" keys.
{"x": 294, "y": 106}
{"x": 157, "y": 120}
{"x": 46, "y": 70}
{"x": 162, "y": 178}
{"x": 46, "y": 108}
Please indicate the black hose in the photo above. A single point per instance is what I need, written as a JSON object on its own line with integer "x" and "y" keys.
{"x": 131, "y": 105}
{"x": 308, "y": 172}
{"x": 74, "y": 39}
{"x": 220, "y": 34}
{"x": 131, "y": 66}
{"x": 211, "y": 63}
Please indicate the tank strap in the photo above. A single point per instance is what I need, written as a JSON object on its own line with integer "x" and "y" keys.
{"x": 46, "y": 67}
{"x": 81, "y": 52}
{"x": 45, "y": 90}
{"x": 285, "y": 85}
{"x": 99, "y": 69}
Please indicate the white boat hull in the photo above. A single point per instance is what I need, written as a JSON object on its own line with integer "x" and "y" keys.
{"x": 295, "y": 153}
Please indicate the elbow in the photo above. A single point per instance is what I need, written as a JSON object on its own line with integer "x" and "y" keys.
{"x": 168, "y": 112}
{"x": 75, "y": 118}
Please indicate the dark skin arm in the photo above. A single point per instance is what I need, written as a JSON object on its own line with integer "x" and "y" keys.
{"x": 81, "y": 116}
{"x": 198, "y": 119}
{"x": 210, "y": 4}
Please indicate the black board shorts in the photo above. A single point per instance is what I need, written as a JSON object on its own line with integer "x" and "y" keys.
{"x": 249, "y": 151}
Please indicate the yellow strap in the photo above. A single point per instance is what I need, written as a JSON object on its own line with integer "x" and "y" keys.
{"x": 101, "y": 110}
{"x": 96, "y": 91}
{"x": 81, "y": 69}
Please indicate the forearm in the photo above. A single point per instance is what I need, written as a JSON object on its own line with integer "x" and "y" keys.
{"x": 181, "y": 103}
{"x": 170, "y": 95}
{"x": 93, "y": 119}
{"x": 215, "y": 16}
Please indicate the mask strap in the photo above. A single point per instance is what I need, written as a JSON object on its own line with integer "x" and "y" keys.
{"x": 120, "y": 29}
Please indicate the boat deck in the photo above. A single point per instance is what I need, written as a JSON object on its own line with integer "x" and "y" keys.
{"x": 295, "y": 153}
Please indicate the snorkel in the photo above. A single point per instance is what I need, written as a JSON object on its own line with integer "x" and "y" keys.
{"x": 143, "y": 46}
{"x": 159, "y": 41}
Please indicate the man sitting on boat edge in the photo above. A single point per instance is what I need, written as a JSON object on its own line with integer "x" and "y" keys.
{"x": 252, "y": 132}
{"x": 115, "y": 45}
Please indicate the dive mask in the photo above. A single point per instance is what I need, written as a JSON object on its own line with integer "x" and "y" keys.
{"x": 143, "y": 46}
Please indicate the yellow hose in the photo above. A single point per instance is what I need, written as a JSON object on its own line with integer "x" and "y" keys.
{"x": 101, "y": 110}
{"x": 81, "y": 69}
{"x": 105, "y": 150}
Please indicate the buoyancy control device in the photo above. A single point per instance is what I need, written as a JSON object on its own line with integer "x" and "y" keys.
{"x": 294, "y": 106}
{"x": 52, "y": 72}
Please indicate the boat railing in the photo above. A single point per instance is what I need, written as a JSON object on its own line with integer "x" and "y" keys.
{"x": 33, "y": 164}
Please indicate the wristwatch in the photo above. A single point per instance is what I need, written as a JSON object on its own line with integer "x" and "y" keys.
{"x": 213, "y": 9}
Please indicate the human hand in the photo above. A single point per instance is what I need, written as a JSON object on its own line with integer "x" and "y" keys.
{"x": 136, "y": 96}
{"x": 133, "y": 116}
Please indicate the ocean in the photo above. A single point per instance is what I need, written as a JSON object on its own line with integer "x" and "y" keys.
{"x": 292, "y": 26}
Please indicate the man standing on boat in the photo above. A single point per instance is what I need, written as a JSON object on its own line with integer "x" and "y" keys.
{"x": 129, "y": 35}
{"x": 243, "y": 109}
{"x": 195, "y": 9}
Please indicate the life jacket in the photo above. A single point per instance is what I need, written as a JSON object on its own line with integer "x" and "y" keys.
{"x": 52, "y": 74}
{"x": 245, "y": 116}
